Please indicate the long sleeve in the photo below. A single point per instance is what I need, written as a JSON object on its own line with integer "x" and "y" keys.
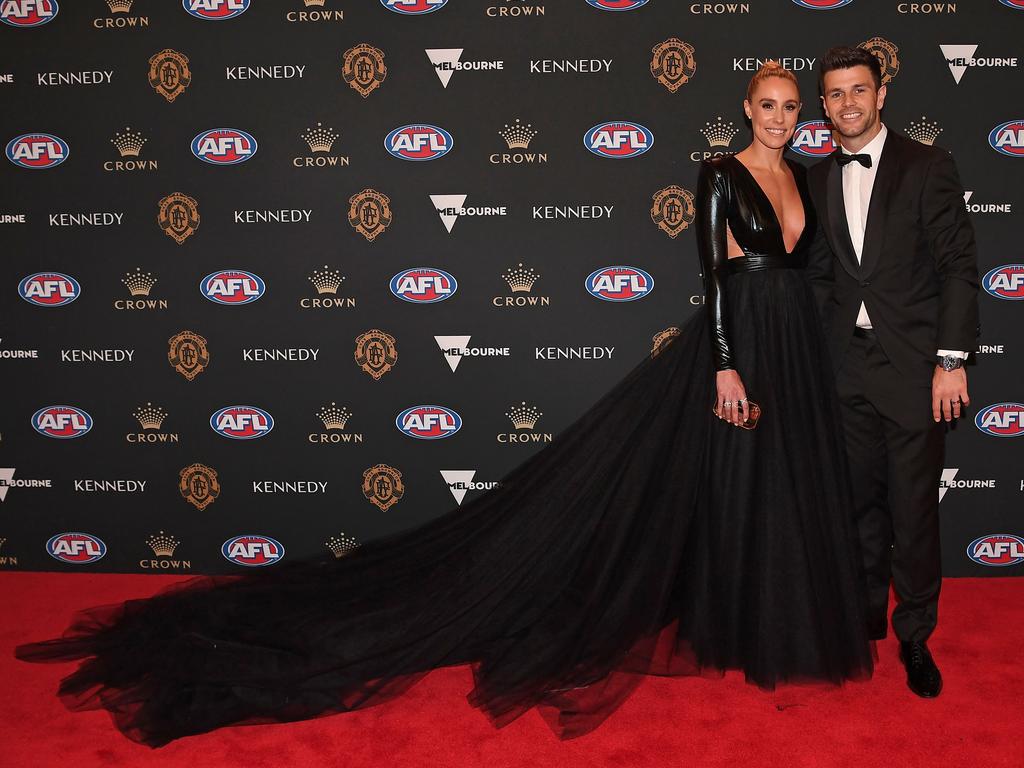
{"x": 712, "y": 208}
{"x": 820, "y": 270}
{"x": 951, "y": 237}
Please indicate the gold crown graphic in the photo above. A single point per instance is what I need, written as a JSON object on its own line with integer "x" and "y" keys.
{"x": 719, "y": 134}
{"x": 523, "y": 416}
{"x": 313, "y": 2}
{"x": 150, "y": 416}
{"x": 138, "y": 282}
{"x": 326, "y": 280}
{"x": 517, "y": 136}
{"x": 129, "y": 144}
{"x": 521, "y": 279}
{"x": 162, "y": 544}
{"x": 120, "y": 6}
{"x": 924, "y": 132}
{"x": 320, "y": 139}
{"x": 334, "y": 417}
{"x": 341, "y": 544}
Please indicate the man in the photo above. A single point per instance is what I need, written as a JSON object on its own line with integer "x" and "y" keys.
{"x": 895, "y": 271}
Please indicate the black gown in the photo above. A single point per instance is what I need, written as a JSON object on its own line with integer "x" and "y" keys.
{"x": 650, "y": 538}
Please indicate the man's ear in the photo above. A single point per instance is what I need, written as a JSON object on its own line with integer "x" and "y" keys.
{"x": 880, "y": 99}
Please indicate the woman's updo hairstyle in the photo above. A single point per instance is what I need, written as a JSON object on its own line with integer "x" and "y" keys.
{"x": 770, "y": 68}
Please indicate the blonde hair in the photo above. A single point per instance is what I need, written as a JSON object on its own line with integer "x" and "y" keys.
{"x": 770, "y": 68}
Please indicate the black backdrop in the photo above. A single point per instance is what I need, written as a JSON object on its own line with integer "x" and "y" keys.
{"x": 81, "y": 223}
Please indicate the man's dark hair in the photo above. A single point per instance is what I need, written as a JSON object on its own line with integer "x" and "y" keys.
{"x": 844, "y": 57}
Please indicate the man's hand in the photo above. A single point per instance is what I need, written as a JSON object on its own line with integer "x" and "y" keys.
{"x": 949, "y": 390}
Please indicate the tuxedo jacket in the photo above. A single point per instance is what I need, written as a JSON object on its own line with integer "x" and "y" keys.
{"x": 918, "y": 274}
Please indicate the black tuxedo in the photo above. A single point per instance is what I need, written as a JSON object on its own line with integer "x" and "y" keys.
{"x": 918, "y": 279}
{"x": 918, "y": 274}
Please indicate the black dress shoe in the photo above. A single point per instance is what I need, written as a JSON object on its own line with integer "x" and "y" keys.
{"x": 923, "y": 676}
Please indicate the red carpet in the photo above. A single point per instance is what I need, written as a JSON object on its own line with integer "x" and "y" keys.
{"x": 668, "y": 722}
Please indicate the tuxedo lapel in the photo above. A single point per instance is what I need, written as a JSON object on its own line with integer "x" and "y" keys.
{"x": 878, "y": 208}
{"x": 842, "y": 245}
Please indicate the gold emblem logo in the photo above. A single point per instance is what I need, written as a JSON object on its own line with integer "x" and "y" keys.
{"x": 376, "y": 352}
{"x": 369, "y": 212}
{"x": 673, "y": 63}
{"x": 178, "y": 216}
{"x": 383, "y": 485}
{"x": 169, "y": 73}
{"x": 198, "y": 485}
{"x": 341, "y": 544}
{"x": 188, "y": 354}
{"x": 886, "y": 54}
{"x": 672, "y": 209}
{"x": 662, "y": 338}
{"x": 363, "y": 68}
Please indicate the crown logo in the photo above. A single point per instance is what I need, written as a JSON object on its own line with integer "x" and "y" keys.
{"x": 333, "y": 417}
{"x": 311, "y": 3}
{"x": 523, "y": 416}
{"x": 150, "y": 416}
{"x": 120, "y": 6}
{"x": 129, "y": 143}
{"x": 326, "y": 280}
{"x": 138, "y": 282}
{"x": 320, "y": 139}
{"x": 924, "y": 132}
{"x": 517, "y": 136}
{"x": 719, "y": 134}
{"x": 341, "y": 544}
{"x": 162, "y": 544}
{"x": 521, "y": 279}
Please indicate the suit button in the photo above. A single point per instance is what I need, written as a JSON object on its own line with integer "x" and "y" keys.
{"x": 865, "y": 283}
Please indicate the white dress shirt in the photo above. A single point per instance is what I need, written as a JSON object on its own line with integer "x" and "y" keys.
{"x": 858, "y": 182}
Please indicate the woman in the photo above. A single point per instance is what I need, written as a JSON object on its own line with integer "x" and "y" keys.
{"x": 649, "y": 538}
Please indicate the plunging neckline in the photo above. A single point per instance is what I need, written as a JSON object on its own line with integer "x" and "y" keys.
{"x": 771, "y": 206}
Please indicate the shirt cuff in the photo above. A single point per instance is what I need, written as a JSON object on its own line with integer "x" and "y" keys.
{"x": 944, "y": 352}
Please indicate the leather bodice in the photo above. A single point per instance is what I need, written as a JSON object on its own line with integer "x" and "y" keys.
{"x": 727, "y": 194}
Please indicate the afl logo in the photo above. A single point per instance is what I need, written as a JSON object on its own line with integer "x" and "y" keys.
{"x": 37, "y": 150}
{"x": 215, "y": 10}
{"x": 813, "y": 138}
{"x": 76, "y": 548}
{"x": 414, "y": 7}
{"x": 418, "y": 142}
{"x": 252, "y": 551}
{"x": 822, "y": 5}
{"x": 617, "y": 5}
{"x": 49, "y": 289}
{"x": 242, "y": 422}
{"x": 224, "y": 146}
{"x": 1001, "y": 420}
{"x": 423, "y": 285}
{"x": 1018, "y": 4}
{"x": 63, "y": 422}
{"x": 1008, "y": 138}
{"x": 28, "y": 13}
{"x": 429, "y": 422}
{"x": 618, "y": 139}
{"x": 619, "y": 283}
{"x": 232, "y": 286}
{"x": 1006, "y": 282}
{"x": 997, "y": 549}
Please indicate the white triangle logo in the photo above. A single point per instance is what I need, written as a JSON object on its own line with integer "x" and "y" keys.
{"x": 452, "y": 342}
{"x": 947, "y": 477}
{"x": 455, "y": 477}
{"x": 445, "y": 202}
{"x": 444, "y": 60}
{"x": 955, "y": 56}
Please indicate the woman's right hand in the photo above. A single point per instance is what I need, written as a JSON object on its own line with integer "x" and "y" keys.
{"x": 732, "y": 397}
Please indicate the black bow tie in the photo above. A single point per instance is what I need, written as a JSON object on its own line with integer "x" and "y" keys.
{"x": 864, "y": 159}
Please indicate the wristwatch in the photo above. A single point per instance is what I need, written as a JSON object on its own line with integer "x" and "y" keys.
{"x": 949, "y": 362}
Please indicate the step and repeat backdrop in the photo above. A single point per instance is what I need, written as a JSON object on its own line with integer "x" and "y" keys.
{"x": 279, "y": 277}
